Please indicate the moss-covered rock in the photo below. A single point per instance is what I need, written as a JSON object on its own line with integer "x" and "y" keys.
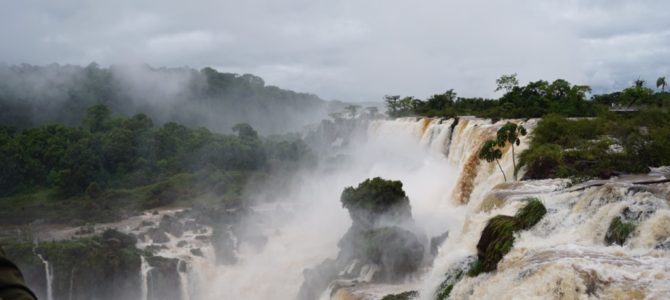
{"x": 497, "y": 237}
{"x": 375, "y": 199}
{"x": 618, "y": 231}
{"x": 496, "y": 240}
{"x": 530, "y": 214}
{"x": 402, "y": 296}
{"x": 377, "y": 241}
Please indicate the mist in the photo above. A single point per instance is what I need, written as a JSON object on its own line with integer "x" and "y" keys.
{"x": 37, "y": 95}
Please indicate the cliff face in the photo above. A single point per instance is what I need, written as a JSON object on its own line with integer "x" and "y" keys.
{"x": 103, "y": 267}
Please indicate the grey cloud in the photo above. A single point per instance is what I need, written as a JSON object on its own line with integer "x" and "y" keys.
{"x": 354, "y": 50}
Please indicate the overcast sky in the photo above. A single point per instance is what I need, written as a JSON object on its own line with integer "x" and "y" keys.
{"x": 355, "y": 50}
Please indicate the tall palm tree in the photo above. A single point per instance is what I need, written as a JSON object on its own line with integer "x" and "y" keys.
{"x": 638, "y": 90}
{"x": 660, "y": 82}
{"x": 510, "y": 133}
{"x": 639, "y": 83}
{"x": 490, "y": 152}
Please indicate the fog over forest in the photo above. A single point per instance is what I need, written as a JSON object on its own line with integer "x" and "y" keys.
{"x": 37, "y": 95}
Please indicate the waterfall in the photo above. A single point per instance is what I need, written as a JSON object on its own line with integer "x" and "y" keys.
{"x": 48, "y": 271}
{"x": 144, "y": 277}
{"x": 450, "y": 189}
{"x": 182, "y": 269}
{"x": 427, "y": 155}
{"x": 71, "y": 289}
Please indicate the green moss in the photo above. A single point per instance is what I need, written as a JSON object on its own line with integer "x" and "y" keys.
{"x": 402, "y": 296}
{"x": 497, "y": 237}
{"x": 530, "y": 214}
{"x": 476, "y": 268}
{"x": 496, "y": 240}
{"x": 618, "y": 231}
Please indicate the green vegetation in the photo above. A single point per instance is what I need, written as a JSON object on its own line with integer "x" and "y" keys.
{"x": 603, "y": 146}
{"x": 507, "y": 134}
{"x": 376, "y": 197}
{"x": 621, "y": 132}
{"x": 618, "y": 231}
{"x": 402, "y": 296}
{"x": 112, "y": 166}
{"x": 497, "y": 237}
{"x": 533, "y": 100}
{"x": 490, "y": 152}
{"x": 530, "y": 214}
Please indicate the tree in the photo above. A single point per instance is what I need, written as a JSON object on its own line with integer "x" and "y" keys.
{"x": 660, "y": 82}
{"x": 352, "y": 110}
{"x": 97, "y": 118}
{"x": 372, "y": 111}
{"x": 490, "y": 153}
{"x": 392, "y": 105}
{"x": 510, "y": 133}
{"x": 637, "y": 91}
{"x": 507, "y": 83}
{"x": 245, "y": 130}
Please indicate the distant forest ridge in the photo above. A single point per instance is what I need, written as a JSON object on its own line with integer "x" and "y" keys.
{"x": 36, "y": 95}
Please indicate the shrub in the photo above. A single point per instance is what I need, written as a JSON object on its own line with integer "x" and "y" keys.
{"x": 618, "y": 232}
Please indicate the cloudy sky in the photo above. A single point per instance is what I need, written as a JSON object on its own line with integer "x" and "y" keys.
{"x": 355, "y": 50}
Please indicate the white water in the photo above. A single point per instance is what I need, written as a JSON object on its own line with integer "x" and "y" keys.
{"x": 144, "y": 269}
{"x": 564, "y": 256}
{"x": 422, "y": 154}
{"x": 48, "y": 271}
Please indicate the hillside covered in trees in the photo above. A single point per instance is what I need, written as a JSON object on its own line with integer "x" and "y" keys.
{"x": 37, "y": 95}
{"x": 111, "y": 165}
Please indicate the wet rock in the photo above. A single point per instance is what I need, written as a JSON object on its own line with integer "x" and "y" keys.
{"x": 191, "y": 225}
{"x": 182, "y": 244}
{"x": 147, "y": 223}
{"x": 163, "y": 279}
{"x": 402, "y": 296}
{"x": 155, "y": 248}
{"x": 203, "y": 238}
{"x": 398, "y": 251}
{"x": 224, "y": 246}
{"x": 157, "y": 235}
{"x": 197, "y": 252}
{"x": 436, "y": 241}
{"x": 453, "y": 275}
{"x": 171, "y": 225}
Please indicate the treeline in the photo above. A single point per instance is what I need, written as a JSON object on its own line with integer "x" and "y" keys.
{"x": 37, "y": 95}
{"x": 533, "y": 100}
{"x": 125, "y": 152}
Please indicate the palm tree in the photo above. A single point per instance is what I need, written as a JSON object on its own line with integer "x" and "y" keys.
{"x": 639, "y": 83}
{"x": 490, "y": 153}
{"x": 660, "y": 82}
{"x": 510, "y": 133}
{"x": 637, "y": 91}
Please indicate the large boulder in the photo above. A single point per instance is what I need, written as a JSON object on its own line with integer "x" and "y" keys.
{"x": 378, "y": 246}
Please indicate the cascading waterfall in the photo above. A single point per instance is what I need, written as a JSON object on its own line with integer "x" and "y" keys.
{"x": 182, "y": 269}
{"x": 427, "y": 155}
{"x": 71, "y": 289}
{"x": 144, "y": 269}
{"x": 451, "y": 190}
{"x": 48, "y": 271}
